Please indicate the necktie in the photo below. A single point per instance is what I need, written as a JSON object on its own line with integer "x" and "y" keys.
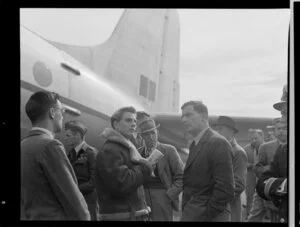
{"x": 192, "y": 146}
{"x": 147, "y": 152}
{"x": 73, "y": 154}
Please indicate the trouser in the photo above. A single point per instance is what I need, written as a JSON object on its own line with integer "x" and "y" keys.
{"x": 92, "y": 203}
{"x": 236, "y": 209}
{"x": 160, "y": 204}
{"x": 250, "y": 189}
{"x": 258, "y": 210}
{"x": 225, "y": 216}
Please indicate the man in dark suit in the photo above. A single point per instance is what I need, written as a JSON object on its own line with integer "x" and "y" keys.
{"x": 82, "y": 157}
{"x": 163, "y": 188}
{"x": 226, "y": 126}
{"x": 208, "y": 184}
{"x": 49, "y": 189}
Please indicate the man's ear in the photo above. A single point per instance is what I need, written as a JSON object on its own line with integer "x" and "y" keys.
{"x": 51, "y": 113}
{"x": 115, "y": 123}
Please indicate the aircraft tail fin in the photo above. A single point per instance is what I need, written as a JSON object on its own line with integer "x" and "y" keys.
{"x": 141, "y": 57}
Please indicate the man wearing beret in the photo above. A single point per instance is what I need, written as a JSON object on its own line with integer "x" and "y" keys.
{"x": 163, "y": 188}
{"x": 226, "y": 126}
{"x": 82, "y": 157}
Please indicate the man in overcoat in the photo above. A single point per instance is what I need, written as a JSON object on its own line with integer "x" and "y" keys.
{"x": 49, "y": 189}
{"x": 163, "y": 188}
{"x": 121, "y": 171}
{"x": 226, "y": 126}
{"x": 266, "y": 154}
{"x": 208, "y": 183}
{"x": 273, "y": 183}
{"x": 82, "y": 156}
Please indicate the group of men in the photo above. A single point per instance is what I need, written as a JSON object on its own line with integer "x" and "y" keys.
{"x": 133, "y": 176}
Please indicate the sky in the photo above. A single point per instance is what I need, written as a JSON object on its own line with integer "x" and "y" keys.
{"x": 234, "y": 60}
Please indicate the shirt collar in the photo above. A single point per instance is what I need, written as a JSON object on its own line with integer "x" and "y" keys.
{"x": 199, "y": 136}
{"x": 45, "y": 131}
{"x": 79, "y": 146}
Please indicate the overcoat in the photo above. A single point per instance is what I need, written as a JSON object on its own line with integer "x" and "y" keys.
{"x": 119, "y": 180}
{"x": 49, "y": 189}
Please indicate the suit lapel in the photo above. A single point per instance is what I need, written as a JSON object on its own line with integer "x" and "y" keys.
{"x": 162, "y": 162}
{"x": 197, "y": 149}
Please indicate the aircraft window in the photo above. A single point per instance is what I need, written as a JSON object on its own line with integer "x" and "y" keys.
{"x": 152, "y": 90}
{"x": 143, "y": 86}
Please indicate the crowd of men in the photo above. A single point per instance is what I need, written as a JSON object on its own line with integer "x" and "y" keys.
{"x": 134, "y": 177}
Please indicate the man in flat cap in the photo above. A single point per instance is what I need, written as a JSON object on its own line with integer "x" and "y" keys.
{"x": 226, "y": 126}
{"x": 140, "y": 116}
{"x": 82, "y": 158}
{"x": 273, "y": 183}
{"x": 163, "y": 188}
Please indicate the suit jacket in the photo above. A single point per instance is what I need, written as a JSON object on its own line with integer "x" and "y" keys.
{"x": 270, "y": 181}
{"x": 49, "y": 189}
{"x": 170, "y": 172}
{"x": 265, "y": 157}
{"x": 208, "y": 184}
{"x": 240, "y": 178}
{"x": 263, "y": 163}
{"x": 84, "y": 168}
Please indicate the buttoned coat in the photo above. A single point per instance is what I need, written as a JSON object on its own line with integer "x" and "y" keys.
{"x": 271, "y": 179}
{"x": 208, "y": 184}
{"x": 49, "y": 189}
{"x": 265, "y": 157}
{"x": 240, "y": 178}
{"x": 84, "y": 168}
{"x": 170, "y": 171}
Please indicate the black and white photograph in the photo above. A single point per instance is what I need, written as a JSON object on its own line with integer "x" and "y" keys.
{"x": 157, "y": 115}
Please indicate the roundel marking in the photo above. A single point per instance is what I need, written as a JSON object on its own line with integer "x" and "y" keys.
{"x": 42, "y": 75}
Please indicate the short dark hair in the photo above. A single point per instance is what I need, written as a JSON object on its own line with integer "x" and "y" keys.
{"x": 198, "y": 106}
{"x": 76, "y": 126}
{"x": 39, "y": 104}
{"x": 117, "y": 116}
